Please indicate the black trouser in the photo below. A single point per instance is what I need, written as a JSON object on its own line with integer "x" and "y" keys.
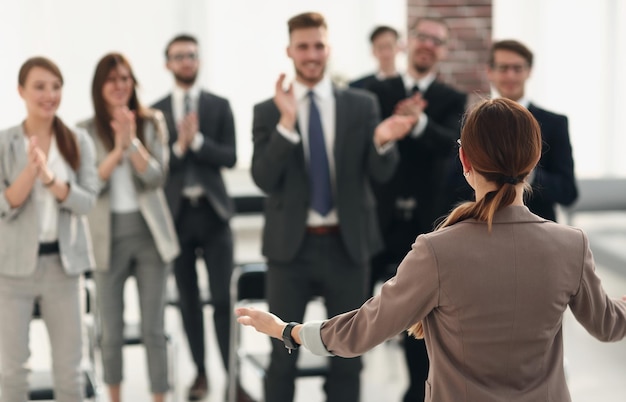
{"x": 201, "y": 230}
{"x": 322, "y": 267}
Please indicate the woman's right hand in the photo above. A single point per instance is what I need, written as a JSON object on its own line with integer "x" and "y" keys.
{"x": 123, "y": 125}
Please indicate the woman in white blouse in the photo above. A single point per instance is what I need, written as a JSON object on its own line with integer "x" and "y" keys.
{"x": 131, "y": 224}
{"x": 48, "y": 182}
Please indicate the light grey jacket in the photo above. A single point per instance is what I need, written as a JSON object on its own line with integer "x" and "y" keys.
{"x": 492, "y": 308}
{"x": 149, "y": 187}
{"x": 19, "y": 230}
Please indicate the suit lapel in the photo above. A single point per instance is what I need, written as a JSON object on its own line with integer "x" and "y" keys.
{"x": 168, "y": 113}
{"x": 341, "y": 111}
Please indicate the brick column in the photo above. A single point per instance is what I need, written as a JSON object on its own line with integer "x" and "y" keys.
{"x": 470, "y": 38}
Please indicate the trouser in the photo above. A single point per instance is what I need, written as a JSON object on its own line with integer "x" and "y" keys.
{"x": 201, "y": 230}
{"x": 59, "y": 300}
{"x": 133, "y": 252}
{"x": 322, "y": 267}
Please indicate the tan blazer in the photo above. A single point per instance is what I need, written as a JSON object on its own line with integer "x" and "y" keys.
{"x": 19, "y": 230}
{"x": 492, "y": 305}
{"x": 149, "y": 186}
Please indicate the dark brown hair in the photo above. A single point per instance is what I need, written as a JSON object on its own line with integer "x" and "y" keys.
{"x": 306, "y": 20}
{"x": 102, "y": 116}
{"x": 179, "y": 38}
{"x": 438, "y": 20}
{"x": 502, "y": 141}
{"x": 382, "y": 29}
{"x": 512, "y": 46}
{"x": 66, "y": 140}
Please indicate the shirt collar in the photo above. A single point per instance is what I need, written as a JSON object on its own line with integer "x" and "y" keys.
{"x": 322, "y": 90}
{"x": 422, "y": 83}
{"x": 524, "y": 101}
{"x": 179, "y": 92}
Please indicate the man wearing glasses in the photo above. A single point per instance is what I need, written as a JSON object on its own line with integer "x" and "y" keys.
{"x": 202, "y": 142}
{"x": 508, "y": 69}
{"x": 410, "y": 203}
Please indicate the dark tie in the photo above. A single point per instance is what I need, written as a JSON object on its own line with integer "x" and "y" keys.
{"x": 415, "y": 89}
{"x": 319, "y": 172}
{"x": 187, "y": 103}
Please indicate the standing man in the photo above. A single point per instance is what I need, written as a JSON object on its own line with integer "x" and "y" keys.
{"x": 411, "y": 202}
{"x": 316, "y": 147}
{"x": 385, "y": 48}
{"x": 510, "y": 64}
{"x": 202, "y": 142}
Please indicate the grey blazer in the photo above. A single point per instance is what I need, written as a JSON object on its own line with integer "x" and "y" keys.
{"x": 492, "y": 307}
{"x": 149, "y": 186}
{"x": 279, "y": 169}
{"x": 19, "y": 237}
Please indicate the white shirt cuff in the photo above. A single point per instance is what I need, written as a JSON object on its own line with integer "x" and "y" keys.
{"x": 420, "y": 126}
{"x": 311, "y": 337}
{"x": 291, "y": 136}
{"x": 196, "y": 143}
{"x": 177, "y": 151}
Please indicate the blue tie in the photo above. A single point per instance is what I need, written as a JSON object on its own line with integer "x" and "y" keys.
{"x": 319, "y": 172}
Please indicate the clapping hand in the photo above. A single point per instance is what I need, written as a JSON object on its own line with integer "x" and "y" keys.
{"x": 412, "y": 106}
{"x": 393, "y": 128}
{"x": 286, "y": 103}
{"x": 124, "y": 127}
{"x": 38, "y": 161}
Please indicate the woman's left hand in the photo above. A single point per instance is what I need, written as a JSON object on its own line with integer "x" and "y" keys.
{"x": 262, "y": 321}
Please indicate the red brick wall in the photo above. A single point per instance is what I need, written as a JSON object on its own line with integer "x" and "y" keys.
{"x": 470, "y": 37}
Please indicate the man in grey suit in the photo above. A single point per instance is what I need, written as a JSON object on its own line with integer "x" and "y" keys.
{"x": 316, "y": 147}
{"x": 202, "y": 141}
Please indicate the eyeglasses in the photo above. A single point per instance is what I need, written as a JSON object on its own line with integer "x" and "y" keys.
{"x": 516, "y": 68}
{"x": 423, "y": 37}
{"x": 178, "y": 57}
{"x": 458, "y": 142}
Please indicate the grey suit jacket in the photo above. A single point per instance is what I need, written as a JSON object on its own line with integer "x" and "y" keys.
{"x": 19, "y": 237}
{"x": 279, "y": 169}
{"x": 149, "y": 186}
{"x": 492, "y": 306}
{"x": 217, "y": 126}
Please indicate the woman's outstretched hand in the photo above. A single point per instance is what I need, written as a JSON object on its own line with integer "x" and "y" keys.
{"x": 262, "y": 321}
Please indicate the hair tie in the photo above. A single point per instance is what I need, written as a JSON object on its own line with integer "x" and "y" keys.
{"x": 511, "y": 180}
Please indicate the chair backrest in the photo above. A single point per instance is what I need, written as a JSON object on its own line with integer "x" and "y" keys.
{"x": 248, "y": 282}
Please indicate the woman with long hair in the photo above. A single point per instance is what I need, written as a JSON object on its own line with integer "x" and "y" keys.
{"x": 48, "y": 182}
{"x": 488, "y": 289}
{"x": 131, "y": 223}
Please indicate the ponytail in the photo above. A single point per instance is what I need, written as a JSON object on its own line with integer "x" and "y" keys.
{"x": 66, "y": 141}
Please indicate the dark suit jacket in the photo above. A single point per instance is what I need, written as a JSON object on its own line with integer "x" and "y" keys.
{"x": 279, "y": 169}
{"x": 215, "y": 120}
{"x": 363, "y": 82}
{"x": 423, "y": 162}
{"x": 554, "y": 181}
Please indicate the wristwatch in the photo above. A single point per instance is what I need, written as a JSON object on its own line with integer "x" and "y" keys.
{"x": 290, "y": 343}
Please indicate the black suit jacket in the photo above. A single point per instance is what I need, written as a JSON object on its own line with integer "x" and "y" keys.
{"x": 215, "y": 121}
{"x": 364, "y": 82}
{"x": 423, "y": 163}
{"x": 554, "y": 181}
{"x": 279, "y": 169}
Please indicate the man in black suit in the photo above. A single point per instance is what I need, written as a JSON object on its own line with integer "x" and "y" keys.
{"x": 411, "y": 202}
{"x": 202, "y": 142}
{"x": 316, "y": 147}
{"x": 553, "y": 180}
{"x": 385, "y": 48}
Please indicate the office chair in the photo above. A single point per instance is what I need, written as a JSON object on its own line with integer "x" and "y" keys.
{"x": 247, "y": 287}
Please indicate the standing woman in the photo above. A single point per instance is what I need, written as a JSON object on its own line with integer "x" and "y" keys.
{"x": 131, "y": 223}
{"x": 48, "y": 182}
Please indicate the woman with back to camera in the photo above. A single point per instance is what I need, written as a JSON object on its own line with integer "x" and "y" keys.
{"x": 131, "y": 222}
{"x": 48, "y": 182}
{"x": 487, "y": 289}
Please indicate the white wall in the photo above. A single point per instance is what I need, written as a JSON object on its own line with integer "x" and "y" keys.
{"x": 580, "y": 59}
{"x": 242, "y": 45}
